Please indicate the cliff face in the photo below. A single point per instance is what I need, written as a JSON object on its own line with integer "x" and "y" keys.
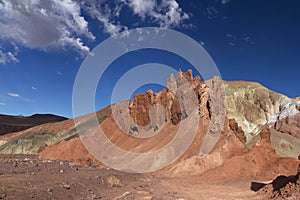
{"x": 177, "y": 101}
{"x": 250, "y": 104}
{"x": 148, "y": 112}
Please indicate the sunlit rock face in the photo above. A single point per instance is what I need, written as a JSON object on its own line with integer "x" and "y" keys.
{"x": 184, "y": 88}
{"x": 289, "y": 123}
{"x": 254, "y": 106}
{"x": 250, "y": 104}
{"x": 184, "y": 94}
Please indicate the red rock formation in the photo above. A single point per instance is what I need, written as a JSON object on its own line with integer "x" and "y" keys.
{"x": 283, "y": 187}
{"x": 233, "y": 125}
{"x": 168, "y": 98}
{"x": 259, "y": 163}
{"x": 72, "y": 150}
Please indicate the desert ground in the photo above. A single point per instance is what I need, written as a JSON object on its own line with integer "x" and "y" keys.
{"x": 28, "y": 177}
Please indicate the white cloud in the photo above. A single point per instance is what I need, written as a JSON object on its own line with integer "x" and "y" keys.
{"x": 2, "y": 104}
{"x": 166, "y": 13}
{"x": 141, "y": 7}
{"x": 104, "y": 15}
{"x": 7, "y": 57}
{"x": 3, "y": 57}
{"x": 14, "y": 94}
{"x": 41, "y": 24}
{"x": 55, "y": 24}
{"x": 12, "y": 57}
{"x": 34, "y": 88}
{"x": 18, "y": 96}
{"x": 211, "y": 12}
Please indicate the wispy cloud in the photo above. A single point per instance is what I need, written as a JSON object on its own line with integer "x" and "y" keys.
{"x": 18, "y": 96}
{"x": 7, "y": 57}
{"x": 34, "y": 88}
{"x": 222, "y": 1}
{"x": 104, "y": 15}
{"x": 211, "y": 12}
{"x": 2, "y": 104}
{"x": 232, "y": 44}
{"x": 247, "y": 39}
{"x": 14, "y": 94}
{"x": 239, "y": 39}
{"x": 59, "y": 73}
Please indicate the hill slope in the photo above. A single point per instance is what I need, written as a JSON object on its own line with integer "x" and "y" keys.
{"x": 250, "y": 108}
{"x": 9, "y": 124}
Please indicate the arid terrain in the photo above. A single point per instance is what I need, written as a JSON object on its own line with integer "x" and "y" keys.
{"x": 26, "y": 177}
{"x": 254, "y": 157}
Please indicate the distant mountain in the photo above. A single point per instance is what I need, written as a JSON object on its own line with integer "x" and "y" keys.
{"x": 10, "y": 123}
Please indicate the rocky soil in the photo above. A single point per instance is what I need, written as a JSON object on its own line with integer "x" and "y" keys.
{"x": 27, "y": 177}
{"x": 283, "y": 187}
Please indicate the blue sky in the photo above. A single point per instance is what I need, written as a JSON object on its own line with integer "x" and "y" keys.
{"x": 43, "y": 43}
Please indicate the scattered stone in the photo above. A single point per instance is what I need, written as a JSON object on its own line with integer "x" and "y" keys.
{"x": 124, "y": 195}
{"x": 113, "y": 181}
{"x": 66, "y": 186}
{"x": 26, "y": 159}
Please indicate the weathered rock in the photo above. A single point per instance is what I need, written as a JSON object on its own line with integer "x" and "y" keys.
{"x": 258, "y": 163}
{"x": 253, "y": 106}
{"x": 148, "y": 112}
{"x": 265, "y": 136}
{"x": 289, "y": 124}
{"x": 171, "y": 84}
{"x": 298, "y": 105}
{"x": 217, "y": 114}
{"x": 283, "y": 187}
{"x": 238, "y": 130}
{"x": 204, "y": 101}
